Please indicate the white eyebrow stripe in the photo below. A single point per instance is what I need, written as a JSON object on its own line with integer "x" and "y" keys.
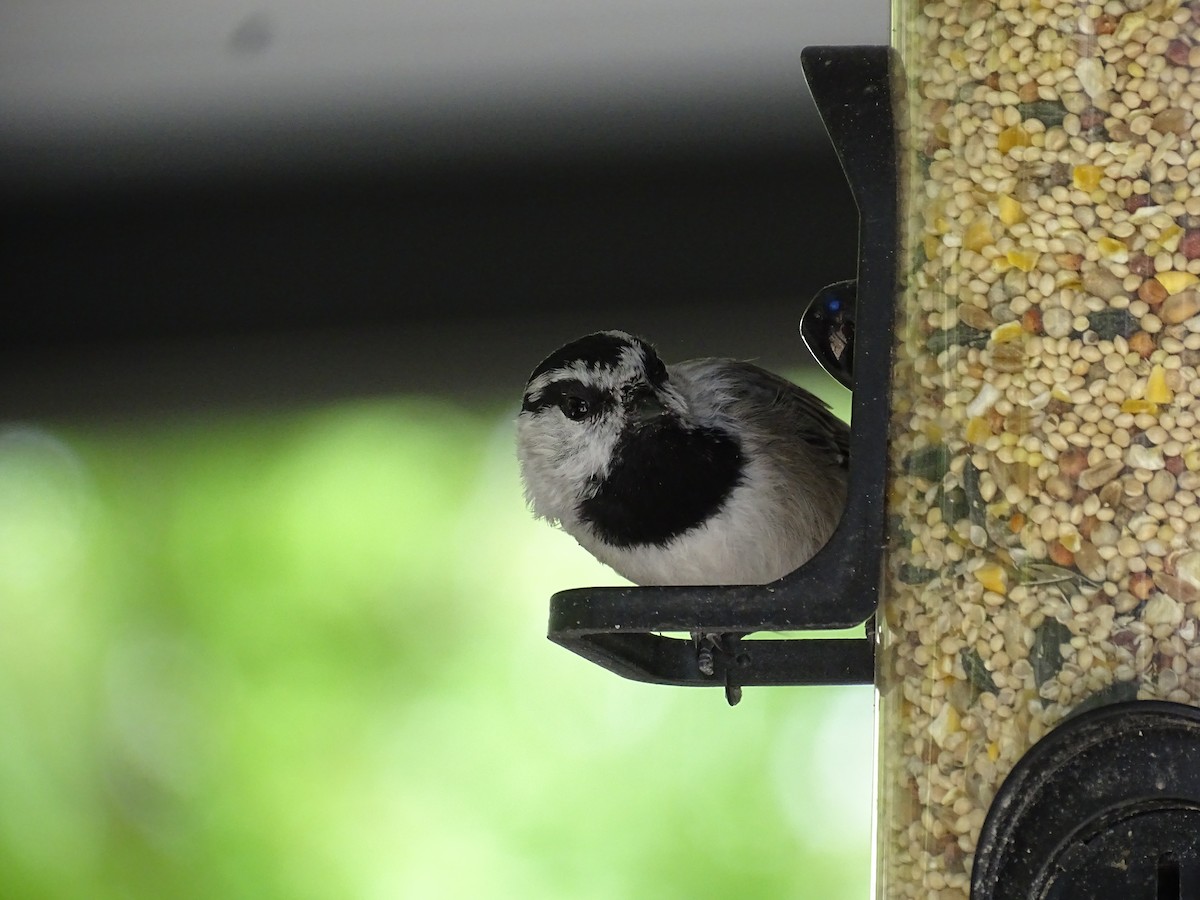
{"x": 632, "y": 365}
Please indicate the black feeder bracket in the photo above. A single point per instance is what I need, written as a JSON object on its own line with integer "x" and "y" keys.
{"x": 624, "y": 629}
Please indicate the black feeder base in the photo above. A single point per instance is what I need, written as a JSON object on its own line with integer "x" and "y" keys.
{"x": 1104, "y": 807}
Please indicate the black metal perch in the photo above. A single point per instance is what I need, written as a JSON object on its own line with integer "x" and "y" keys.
{"x": 624, "y": 629}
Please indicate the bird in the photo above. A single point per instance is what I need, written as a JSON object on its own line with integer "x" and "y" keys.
{"x": 827, "y": 327}
{"x": 710, "y": 471}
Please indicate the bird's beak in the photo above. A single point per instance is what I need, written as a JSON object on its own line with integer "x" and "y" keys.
{"x": 645, "y": 407}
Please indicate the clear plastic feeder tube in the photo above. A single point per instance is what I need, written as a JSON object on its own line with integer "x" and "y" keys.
{"x": 1044, "y": 551}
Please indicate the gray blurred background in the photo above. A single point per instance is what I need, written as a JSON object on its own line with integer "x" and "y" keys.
{"x": 219, "y": 204}
{"x": 272, "y": 608}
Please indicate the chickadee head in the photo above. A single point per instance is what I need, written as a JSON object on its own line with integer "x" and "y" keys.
{"x": 579, "y": 403}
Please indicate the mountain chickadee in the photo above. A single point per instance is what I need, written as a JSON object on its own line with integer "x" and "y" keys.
{"x": 710, "y": 471}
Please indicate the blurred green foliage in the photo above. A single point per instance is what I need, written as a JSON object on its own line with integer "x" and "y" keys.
{"x": 303, "y": 656}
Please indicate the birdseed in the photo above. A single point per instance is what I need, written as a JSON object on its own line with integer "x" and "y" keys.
{"x": 1044, "y": 553}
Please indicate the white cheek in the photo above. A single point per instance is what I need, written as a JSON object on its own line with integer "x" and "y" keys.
{"x": 561, "y": 461}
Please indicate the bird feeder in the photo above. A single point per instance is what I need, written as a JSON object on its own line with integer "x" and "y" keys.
{"x": 1021, "y": 542}
{"x": 1038, "y": 662}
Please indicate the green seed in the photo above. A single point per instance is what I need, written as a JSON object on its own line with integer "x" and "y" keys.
{"x": 1108, "y": 323}
{"x": 910, "y": 574}
{"x": 977, "y": 673}
{"x": 959, "y": 336}
{"x": 955, "y": 504}
{"x": 976, "y": 507}
{"x": 1049, "y": 112}
{"x": 1046, "y": 654}
{"x": 929, "y": 463}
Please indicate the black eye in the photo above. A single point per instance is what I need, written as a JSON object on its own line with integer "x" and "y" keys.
{"x": 575, "y": 408}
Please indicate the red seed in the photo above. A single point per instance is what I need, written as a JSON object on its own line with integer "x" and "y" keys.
{"x": 1136, "y": 201}
{"x": 1142, "y": 265}
{"x": 1178, "y": 52}
{"x": 1090, "y": 118}
{"x": 1189, "y": 244}
{"x": 1060, "y": 555}
{"x": 1072, "y": 461}
{"x": 1141, "y": 343}
{"x": 1152, "y": 291}
{"x": 1141, "y": 584}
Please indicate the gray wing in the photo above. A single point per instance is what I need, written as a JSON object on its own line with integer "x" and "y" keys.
{"x": 782, "y": 407}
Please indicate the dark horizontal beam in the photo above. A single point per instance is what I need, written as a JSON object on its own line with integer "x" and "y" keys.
{"x": 379, "y": 251}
